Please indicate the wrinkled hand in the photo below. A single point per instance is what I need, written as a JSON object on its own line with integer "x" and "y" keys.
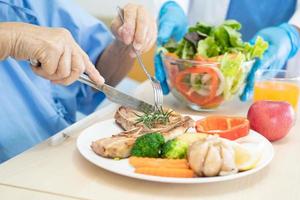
{"x": 62, "y": 60}
{"x": 139, "y": 28}
{"x": 284, "y": 42}
{"x": 172, "y": 24}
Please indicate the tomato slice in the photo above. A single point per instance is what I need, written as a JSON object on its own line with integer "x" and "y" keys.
{"x": 186, "y": 89}
{"x": 225, "y": 126}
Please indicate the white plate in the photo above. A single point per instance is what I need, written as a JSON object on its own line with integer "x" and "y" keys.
{"x": 122, "y": 167}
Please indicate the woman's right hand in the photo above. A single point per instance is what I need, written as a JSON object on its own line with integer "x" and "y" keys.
{"x": 62, "y": 60}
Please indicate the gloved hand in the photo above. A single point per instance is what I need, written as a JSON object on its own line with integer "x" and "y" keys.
{"x": 62, "y": 60}
{"x": 284, "y": 42}
{"x": 172, "y": 24}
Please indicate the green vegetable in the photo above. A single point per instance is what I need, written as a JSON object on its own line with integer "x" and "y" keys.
{"x": 230, "y": 65}
{"x": 233, "y": 24}
{"x": 231, "y": 69}
{"x": 159, "y": 116}
{"x": 171, "y": 46}
{"x": 225, "y": 39}
{"x": 257, "y": 50}
{"x": 175, "y": 149}
{"x": 148, "y": 145}
{"x": 214, "y": 41}
{"x": 201, "y": 28}
{"x": 208, "y": 48}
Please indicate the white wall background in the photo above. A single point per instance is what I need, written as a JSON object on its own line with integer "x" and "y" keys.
{"x": 107, "y": 8}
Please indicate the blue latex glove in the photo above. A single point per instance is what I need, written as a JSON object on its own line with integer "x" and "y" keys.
{"x": 284, "y": 42}
{"x": 172, "y": 24}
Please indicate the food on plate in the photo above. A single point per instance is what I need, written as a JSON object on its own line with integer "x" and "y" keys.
{"x": 246, "y": 158}
{"x": 162, "y": 167}
{"x": 272, "y": 119}
{"x": 167, "y": 172}
{"x": 135, "y": 124}
{"x": 209, "y": 65}
{"x": 212, "y": 157}
{"x": 117, "y": 146}
{"x": 175, "y": 149}
{"x": 138, "y": 162}
{"x": 148, "y": 145}
{"x": 191, "y": 137}
{"x": 169, "y": 123}
{"x": 225, "y": 126}
{"x": 158, "y": 144}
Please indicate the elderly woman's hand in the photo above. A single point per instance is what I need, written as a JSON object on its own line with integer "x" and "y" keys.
{"x": 62, "y": 60}
{"x": 139, "y": 28}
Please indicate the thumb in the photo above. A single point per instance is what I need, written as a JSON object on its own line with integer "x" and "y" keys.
{"x": 259, "y": 64}
{"x": 165, "y": 31}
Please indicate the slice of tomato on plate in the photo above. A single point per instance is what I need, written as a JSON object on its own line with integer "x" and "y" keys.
{"x": 186, "y": 89}
{"x": 225, "y": 126}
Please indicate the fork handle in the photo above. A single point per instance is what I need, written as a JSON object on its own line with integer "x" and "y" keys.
{"x": 138, "y": 56}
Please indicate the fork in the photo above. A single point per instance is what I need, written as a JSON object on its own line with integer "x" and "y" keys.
{"x": 157, "y": 90}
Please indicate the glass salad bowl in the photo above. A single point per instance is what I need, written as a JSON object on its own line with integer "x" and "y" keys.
{"x": 204, "y": 85}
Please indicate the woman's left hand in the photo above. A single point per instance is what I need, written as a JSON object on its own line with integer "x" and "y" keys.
{"x": 139, "y": 28}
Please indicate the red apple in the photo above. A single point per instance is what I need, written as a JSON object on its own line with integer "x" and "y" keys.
{"x": 272, "y": 119}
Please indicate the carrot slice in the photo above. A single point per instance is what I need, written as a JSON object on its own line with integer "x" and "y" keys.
{"x": 138, "y": 162}
{"x": 166, "y": 172}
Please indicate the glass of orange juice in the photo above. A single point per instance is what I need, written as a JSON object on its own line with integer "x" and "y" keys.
{"x": 277, "y": 85}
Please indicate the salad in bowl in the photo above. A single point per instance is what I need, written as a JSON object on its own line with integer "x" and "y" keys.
{"x": 210, "y": 64}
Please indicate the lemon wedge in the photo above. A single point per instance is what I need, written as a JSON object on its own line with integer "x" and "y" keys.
{"x": 246, "y": 158}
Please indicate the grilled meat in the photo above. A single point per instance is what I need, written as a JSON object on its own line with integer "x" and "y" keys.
{"x": 119, "y": 146}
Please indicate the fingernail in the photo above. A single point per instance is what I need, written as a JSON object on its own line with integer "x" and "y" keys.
{"x": 102, "y": 80}
{"x": 137, "y": 46}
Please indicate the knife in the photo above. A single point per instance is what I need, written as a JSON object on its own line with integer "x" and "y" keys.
{"x": 118, "y": 97}
{"x": 111, "y": 93}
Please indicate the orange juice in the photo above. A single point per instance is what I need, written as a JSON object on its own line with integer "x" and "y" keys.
{"x": 277, "y": 91}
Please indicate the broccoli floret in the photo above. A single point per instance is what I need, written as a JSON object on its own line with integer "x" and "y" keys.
{"x": 175, "y": 149}
{"x": 148, "y": 145}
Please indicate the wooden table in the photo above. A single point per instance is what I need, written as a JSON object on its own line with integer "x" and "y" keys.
{"x": 60, "y": 172}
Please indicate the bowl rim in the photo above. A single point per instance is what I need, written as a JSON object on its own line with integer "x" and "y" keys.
{"x": 292, "y": 76}
{"x": 197, "y": 62}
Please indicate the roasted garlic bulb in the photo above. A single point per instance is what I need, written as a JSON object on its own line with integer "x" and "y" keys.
{"x": 212, "y": 157}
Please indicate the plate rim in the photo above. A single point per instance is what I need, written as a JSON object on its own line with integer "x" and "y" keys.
{"x": 199, "y": 180}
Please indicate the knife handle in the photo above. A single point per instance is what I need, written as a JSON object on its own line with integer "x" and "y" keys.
{"x": 82, "y": 78}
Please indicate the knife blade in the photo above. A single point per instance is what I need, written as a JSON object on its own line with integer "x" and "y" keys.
{"x": 117, "y": 96}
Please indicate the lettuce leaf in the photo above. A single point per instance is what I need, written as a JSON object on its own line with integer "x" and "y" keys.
{"x": 210, "y": 41}
{"x": 257, "y": 50}
{"x": 230, "y": 65}
{"x": 231, "y": 69}
{"x": 208, "y": 48}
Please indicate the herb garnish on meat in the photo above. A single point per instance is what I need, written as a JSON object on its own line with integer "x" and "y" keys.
{"x": 159, "y": 116}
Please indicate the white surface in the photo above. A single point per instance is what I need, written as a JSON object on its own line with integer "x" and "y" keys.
{"x": 61, "y": 169}
{"x": 122, "y": 167}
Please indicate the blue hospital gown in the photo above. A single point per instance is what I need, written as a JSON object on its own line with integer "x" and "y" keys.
{"x": 32, "y": 108}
